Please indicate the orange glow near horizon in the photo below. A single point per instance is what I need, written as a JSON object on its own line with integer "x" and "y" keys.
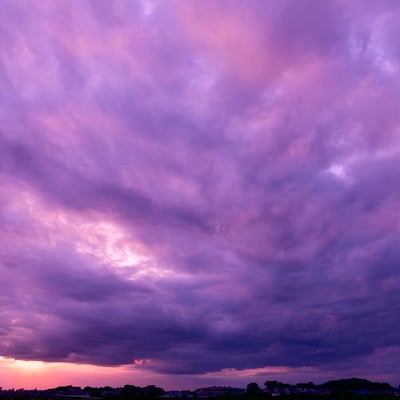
{"x": 42, "y": 375}
{"x": 16, "y": 374}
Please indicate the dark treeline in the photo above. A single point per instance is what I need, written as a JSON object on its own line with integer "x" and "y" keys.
{"x": 342, "y": 389}
{"x": 340, "y": 385}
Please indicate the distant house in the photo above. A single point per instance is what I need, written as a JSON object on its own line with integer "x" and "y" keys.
{"x": 217, "y": 391}
{"x": 177, "y": 394}
{"x": 70, "y": 392}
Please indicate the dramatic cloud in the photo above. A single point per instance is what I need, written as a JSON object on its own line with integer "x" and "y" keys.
{"x": 194, "y": 187}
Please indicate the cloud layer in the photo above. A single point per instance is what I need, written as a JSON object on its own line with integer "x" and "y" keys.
{"x": 200, "y": 186}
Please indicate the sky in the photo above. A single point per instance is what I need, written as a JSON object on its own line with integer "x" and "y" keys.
{"x": 199, "y": 192}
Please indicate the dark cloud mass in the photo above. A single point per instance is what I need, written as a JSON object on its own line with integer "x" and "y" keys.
{"x": 201, "y": 185}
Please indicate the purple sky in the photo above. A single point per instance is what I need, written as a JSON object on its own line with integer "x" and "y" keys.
{"x": 199, "y": 191}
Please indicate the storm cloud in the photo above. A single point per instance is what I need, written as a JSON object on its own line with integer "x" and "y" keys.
{"x": 200, "y": 185}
